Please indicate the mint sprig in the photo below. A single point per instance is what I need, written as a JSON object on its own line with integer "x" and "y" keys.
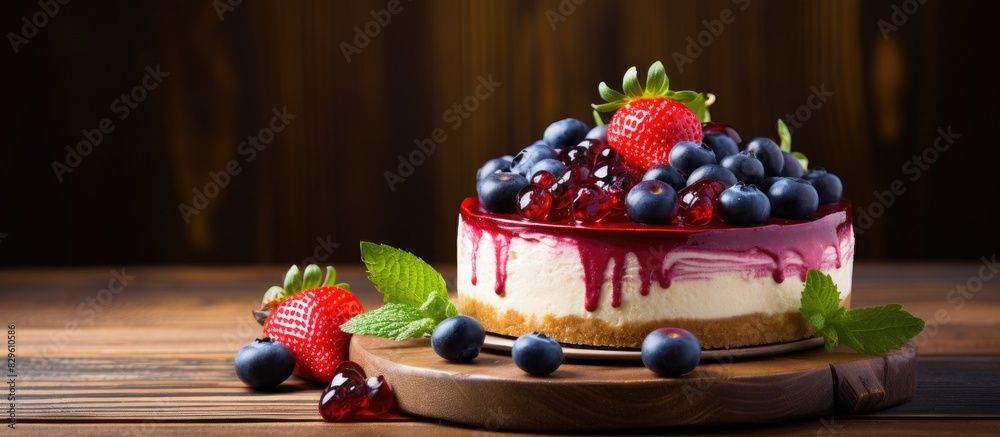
{"x": 874, "y": 330}
{"x": 657, "y": 85}
{"x": 786, "y": 144}
{"x": 415, "y": 295}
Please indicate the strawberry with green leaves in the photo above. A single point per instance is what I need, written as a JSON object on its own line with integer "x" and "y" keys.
{"x": 305, "y": 315}
{"x": 647, "y": 122}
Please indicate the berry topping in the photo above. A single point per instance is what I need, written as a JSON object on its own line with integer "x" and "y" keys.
{"x": 553, "y": 166}
{"x": 576, "y": 155}
{"x": 534, "y": 201}
{"x": 652, "y": 202}
{"x": 721, "y": 144}
{"x": 648, "y": 122}
{"x": 715, "y": 172}
{"x": 827, "y": 185}
{"x": 668, "y": 174}
{"x": 696, "y": 203}
{"x": 264, "y": 363}
{"x": 492, "y": 166}
{"x": 599, "y": 133}
{"x": 769, "y": 154}
{"x": 458, "y": 338}
{"x": 590, "y": 203}
{"x": 722, "y": 129}
{"x": 745, "y": 166}
{"x": 671, "y": 352}
{"x": 744, "y": 205}
{"x": 792, "y": 198}
{"x": 498, "y": 191}
{"x": 686, "y": 156}
{"x": 529, "y": 156}
{"x": 352, "y": 395}
{"x": 793, "y": 166}
{"x": 537, "y": 354}
{"x": 544, "y": 179}
{"x": 565, "y": 133}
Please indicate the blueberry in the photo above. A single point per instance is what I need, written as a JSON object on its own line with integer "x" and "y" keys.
{"x": 458, "y": 339}
{"x": 529, "y": 156}
{"x": 827, "y": 185}
{"x": 686, "y": 156}
{"x": 668, "y": 174}
{"x": 793, "y": 168}
{"x": 651, "y": 202}
{"x": 599, "y": 133}
{"x": 498, "y": 191}
{"x": 715, "y": 172}
{"x": 554, "y": 166}
{"x": 492, "y": 166}
{"x": 745, "y": 166}
{"x": 537, "y": 354}
{"x": 264, "y": 363}
{"x": 565, "y": 133}
{"x": 671, "y": 351}
{"x": 721, "y": 144}
{"x": 765, "y": 184}
{"x": 793, "y": 198}
{"x": 769, "y": 154}
{"x": 743, "y": 205}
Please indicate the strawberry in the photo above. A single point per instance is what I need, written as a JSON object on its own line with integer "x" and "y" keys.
{"x": 306, "y": 316}
{"x": 648, "y": 122}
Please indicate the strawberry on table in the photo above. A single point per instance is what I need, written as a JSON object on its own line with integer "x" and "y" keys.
{"x": 648, "y": 122}
{"x": 306, "y": 315}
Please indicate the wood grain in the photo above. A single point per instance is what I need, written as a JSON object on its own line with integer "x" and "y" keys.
{"x": 156, "y": 360}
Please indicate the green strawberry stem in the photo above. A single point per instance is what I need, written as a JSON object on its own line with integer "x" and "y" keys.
{"x": 296, "y": 281}
{"x": 657, "y": 86}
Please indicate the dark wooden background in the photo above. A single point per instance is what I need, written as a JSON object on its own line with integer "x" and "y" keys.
{"x": 323, "y": 177}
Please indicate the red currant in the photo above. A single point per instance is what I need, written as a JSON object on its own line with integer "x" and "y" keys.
{"x": 696, "y": 203}
{"x": 590, "y": 203}
{"x": 534, "y": 202}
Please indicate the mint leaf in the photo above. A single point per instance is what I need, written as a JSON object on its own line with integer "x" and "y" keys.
{"x": 401, "y": 276}
{"x": 803, "y": 161}
{"x": 785, "y": 136}
{"x": 874, "y": 330}
{"x": 392, "y": 320}
{"x": 438, "y": 307}
{"x": 877, "y": 330}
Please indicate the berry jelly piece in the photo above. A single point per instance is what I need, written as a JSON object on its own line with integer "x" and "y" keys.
{"x": 380, "y": 398}
{"x": 590, "y": 203}
{"x": 576, "y": 155}
{"x": 576, "y": 175}
{"x": 543, "y": 178}
{"x": 605, "y": 155}
{"x": 346, "y": 393}
{"x": 534, "y": 202}
{"x": 618, "y": 190}
{"x": 696, "y": 203}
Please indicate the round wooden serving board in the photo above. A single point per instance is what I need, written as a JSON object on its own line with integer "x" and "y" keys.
{"x": 492, "y": 393}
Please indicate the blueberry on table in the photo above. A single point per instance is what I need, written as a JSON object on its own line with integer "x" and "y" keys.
{"x": 668, "y": 174}
{"x": 264, "y": 363}
{"x": 498, "y": 191}
{"x": 744, "y": 205}
{"x": 459, "y": 339}
{"x": 745, "y": 166}
{"x": 715, "y": 172}
{"x": 792, "y": 198}
{"x": 686, "y": 156}
{"x": 651, "y": 202}
{"x": 537, "y": 354}
{"x": 769, "y": 154}
{"x": 827, "y": 185}
{"x": 565, "y": 133}
{"x": 671, "y": 351}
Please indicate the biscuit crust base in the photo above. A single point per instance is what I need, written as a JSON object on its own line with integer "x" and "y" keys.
{"x": 739, "y": 331}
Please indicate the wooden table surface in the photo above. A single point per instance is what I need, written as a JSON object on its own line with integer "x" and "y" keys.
{"x": 149, "y": 350}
